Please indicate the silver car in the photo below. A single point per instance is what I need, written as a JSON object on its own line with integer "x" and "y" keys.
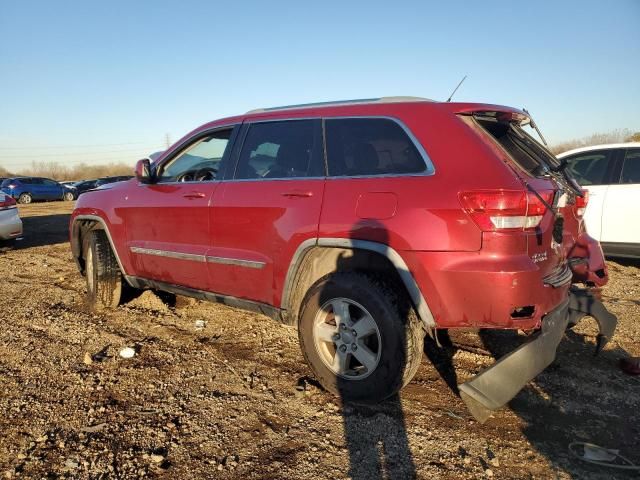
{"x": 10, "y": 223}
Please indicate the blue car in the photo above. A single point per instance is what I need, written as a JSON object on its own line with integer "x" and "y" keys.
{"x": 27, "y": 189}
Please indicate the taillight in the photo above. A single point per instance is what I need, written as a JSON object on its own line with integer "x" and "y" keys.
{"x": 505, "y": 210}
{"x": 581, "y": 203}
{"x": 7, "y": 202}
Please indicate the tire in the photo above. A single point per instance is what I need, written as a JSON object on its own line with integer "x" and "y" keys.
{"x": 104, "y": 279}
{"x": 68, "y": 196}
{"x": 396, "y": 343}
{"x": 25, "y": 198}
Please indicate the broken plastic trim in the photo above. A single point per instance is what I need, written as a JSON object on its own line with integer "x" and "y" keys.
{"x": 492, "y": 388}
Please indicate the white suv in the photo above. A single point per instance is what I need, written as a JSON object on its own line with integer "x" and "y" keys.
{"x": 611, "y": 174}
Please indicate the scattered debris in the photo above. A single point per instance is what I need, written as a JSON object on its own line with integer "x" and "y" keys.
{"x": 94, "y": 428}
{"x": 127, "y": 352}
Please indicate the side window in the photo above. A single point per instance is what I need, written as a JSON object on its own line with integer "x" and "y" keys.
{"x": 199, "y": 162}
{"x": 285, "y": 149}
{"x": 590, "y": 168}
{"x": 370, "y": 146}
{"x": 631, "y": 167}
{"x": 49, "y": 183}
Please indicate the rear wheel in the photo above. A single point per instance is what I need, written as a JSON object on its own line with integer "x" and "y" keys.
{"x": 25, "y": 198}
{"x": 104, "y": 279}
{"x": 362, "y": 340}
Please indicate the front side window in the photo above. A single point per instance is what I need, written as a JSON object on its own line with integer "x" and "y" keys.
{"x": 279, "y": 150}
{"x": 200, "y": 162}
{"x": 589, "y": 168}
{"x": 370, "y": 146}
{"x": 49, "y": 183}
{"x": 631, "y": 167}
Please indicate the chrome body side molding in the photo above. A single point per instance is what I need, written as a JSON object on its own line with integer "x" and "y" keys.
{"x": 168, "y": 254}
{"x": 236, "y": 261}
{"x": 194, "y": 257}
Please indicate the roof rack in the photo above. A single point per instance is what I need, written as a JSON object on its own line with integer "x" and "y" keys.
{"x": 343, "y": 102}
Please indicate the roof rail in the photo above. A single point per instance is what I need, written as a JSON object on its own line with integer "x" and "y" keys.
{"x": 342, "y": 102}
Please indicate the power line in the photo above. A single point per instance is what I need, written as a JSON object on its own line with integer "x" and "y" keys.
{"x": 73, "y": 146}
{"x": 38, "y": 155}
{"x": 88, "y": 162}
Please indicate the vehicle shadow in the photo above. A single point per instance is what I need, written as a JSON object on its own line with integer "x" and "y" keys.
{"x": 39, "y": 231}
{"x": 375, "y": 435}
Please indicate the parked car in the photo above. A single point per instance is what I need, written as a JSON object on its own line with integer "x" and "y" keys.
{"x": 611, "y": 174}
{"x": 10, "y": 223}
{"x": 366, "y": 224}
{"x": 84, "y": 185}
{"x": 28, "y": 189}
{"x": 106, "y": 180}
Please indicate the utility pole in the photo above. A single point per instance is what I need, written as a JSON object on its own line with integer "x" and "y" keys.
{"x": 167, "y": 140}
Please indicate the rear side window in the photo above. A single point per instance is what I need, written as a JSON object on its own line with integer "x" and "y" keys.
{"x": 370, "y": 146}
{"x": 631, "y": 167}
{"x": 590, "y": 168}
{"x": 286, "y": 149}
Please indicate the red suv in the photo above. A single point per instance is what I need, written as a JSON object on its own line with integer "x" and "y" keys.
{"x": 367, "y": 224}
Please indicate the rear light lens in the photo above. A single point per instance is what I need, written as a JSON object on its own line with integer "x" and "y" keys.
{"x": 581, "y": 203}
{"x": 505, "y": 210}
{"x": 7, "y": 202}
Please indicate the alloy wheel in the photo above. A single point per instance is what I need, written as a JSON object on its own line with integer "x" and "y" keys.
{"x": 347, "y": 338}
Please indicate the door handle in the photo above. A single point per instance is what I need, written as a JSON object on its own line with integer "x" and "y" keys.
{"x": 193, "y": 195}
{"x": 298, "y": 193}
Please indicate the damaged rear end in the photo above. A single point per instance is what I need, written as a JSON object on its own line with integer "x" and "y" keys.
{"x": 569, "y": 265}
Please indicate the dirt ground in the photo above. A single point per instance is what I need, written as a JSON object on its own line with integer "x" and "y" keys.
{"x": 214, "y": 392}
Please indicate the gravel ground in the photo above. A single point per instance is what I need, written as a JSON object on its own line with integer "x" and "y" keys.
{"x": 214, "y": 392}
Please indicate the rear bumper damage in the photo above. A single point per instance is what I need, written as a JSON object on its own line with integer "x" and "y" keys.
{"x": 492, "y": 388}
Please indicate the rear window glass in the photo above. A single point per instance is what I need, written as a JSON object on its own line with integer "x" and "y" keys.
{"x": 370, "y": 146}
{"x": 589, "y": 168}
{"x": 523, "y": 149}
{"x": 6, "y": 182}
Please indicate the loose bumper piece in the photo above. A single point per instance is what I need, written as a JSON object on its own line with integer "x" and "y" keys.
{"x": 492, "y": 388}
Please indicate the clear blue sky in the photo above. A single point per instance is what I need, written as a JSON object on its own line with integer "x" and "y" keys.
{"x": 104, "y": 81}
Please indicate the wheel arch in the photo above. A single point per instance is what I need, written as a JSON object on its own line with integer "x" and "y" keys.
{"x": 318, "y": 257}
{"x": 81, "y": 226}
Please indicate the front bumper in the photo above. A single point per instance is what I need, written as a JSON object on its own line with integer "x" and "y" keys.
{"x": 492, "y": 388}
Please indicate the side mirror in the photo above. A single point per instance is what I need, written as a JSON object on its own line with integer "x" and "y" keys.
{"x": 143, "y": 171}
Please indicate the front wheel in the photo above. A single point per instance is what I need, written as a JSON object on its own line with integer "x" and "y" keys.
{"x": 68, "y": 196}
{"x": 104, "y": 280}
{"x": 25, "y": 198}
{"x": 362, "y": 340}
